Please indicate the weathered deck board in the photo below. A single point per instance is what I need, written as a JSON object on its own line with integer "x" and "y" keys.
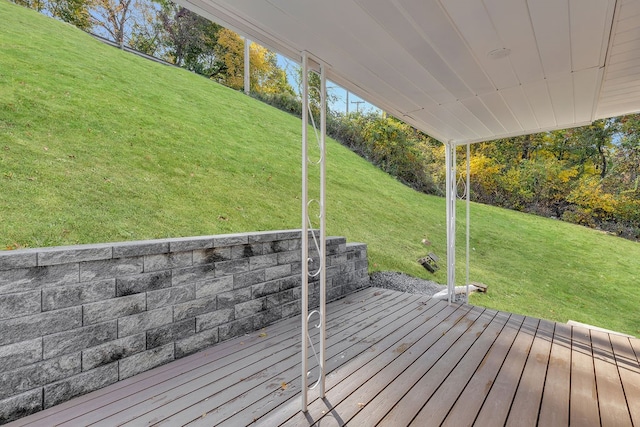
{"x": 344, "y": 380}
{"x": 611, "y": 400}
{"x": 433, "y": 364}
{"x": 554, "y": 409}
{"x": 457, "y": 377}
{"x": 278, "y": 376}
{"x": 496, "y": 406}
{"x": 526, "y": 404}
{"x": 629, "y": 374}
{"x": 408, "y": 318}
{"x": 204, "y": 391}
{"x": 465, "y": 409}
{"x": 584, "y": 395}
{"x": 393, "y": 359}
{"x": 365, "y": 383}
{"x": 433, "y": 412}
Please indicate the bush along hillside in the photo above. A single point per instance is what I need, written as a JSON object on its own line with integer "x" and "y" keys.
{"x": 98, "y": 145}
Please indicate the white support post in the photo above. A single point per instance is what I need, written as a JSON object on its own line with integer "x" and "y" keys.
{"x": 468, "y": 219}
{"x": 319, "y": 236}
{"x": 323, "y": 224}
{"x": 450, "y": 159}
{"x": 305, "y": 230}
{"x": 247, "y": 66}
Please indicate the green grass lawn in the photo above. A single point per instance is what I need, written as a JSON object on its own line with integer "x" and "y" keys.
{"x": 99, "y": 145}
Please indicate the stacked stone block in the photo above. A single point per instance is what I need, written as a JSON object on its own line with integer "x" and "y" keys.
{"x": 75, "y": 319}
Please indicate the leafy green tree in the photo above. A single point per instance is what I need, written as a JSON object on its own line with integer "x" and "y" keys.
{"x": 75, "y": 12}
{"x": 586, "y": 147}
{"x": 627, "y": 156}
{"x": 189, "y": 40}
{"x": 146, "y": 30}
{"x": 39, "y": 5}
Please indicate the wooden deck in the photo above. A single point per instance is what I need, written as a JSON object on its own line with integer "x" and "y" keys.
{"x": 394, "y": 359}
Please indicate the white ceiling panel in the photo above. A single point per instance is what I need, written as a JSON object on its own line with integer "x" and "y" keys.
{"x": 448, "y": 126}
{"x": 400, "y": 59}
{"x": 629, "y": 8}
{"x": 455, "y": 124}
{"x": 461, "y": 70}
{"x": 619, "y": 108}
{"x": 561, "y": 93}
{"x": 432, "y": 22}
{"x": 621, "y": 89}
{"x": 620, "y": 93}
{"x": 519, "y": 104}
{"x": 550, "y": 20}
{"x": 476, "y": 27}
{"x": 629, "y": 36}
{"x": 588, "y": 24}
{"x": 496, "y": 104}
{"x": 395, "y": 22}
{"x": 513, "y": 24}
{"x": 462, "y": 113}
{"x": 623, "y": 68}
{"x": 540, "y": 101}
{"x": 480, "y": 110}
{"x": 585, "y": 90}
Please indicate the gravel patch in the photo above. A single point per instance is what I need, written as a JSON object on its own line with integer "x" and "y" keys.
{"x": 404, "y": 283}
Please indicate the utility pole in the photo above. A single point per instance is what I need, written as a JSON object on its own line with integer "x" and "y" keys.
{"x": 357, "y": 105}
{"x": 347, "y": 112}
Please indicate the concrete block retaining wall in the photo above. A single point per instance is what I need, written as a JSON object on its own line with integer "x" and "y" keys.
{"x": 75, "y": 319}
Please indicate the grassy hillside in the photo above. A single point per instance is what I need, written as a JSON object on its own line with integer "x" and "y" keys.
{"x": 99, "y": 145}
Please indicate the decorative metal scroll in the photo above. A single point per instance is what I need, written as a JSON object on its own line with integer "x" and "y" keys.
{"x": 452, "y": 194}
{"x": 313, "y": 231}
{"x": 450, "y": 160}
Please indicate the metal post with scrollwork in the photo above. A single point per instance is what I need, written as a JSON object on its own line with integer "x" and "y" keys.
{"x": 450, "y": 159}
{"x": 312, "y": 268}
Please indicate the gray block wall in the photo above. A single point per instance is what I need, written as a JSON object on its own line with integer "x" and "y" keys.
{"x": 77, "y": 318}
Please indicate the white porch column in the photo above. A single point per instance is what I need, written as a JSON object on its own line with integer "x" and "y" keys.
{"x": 450, "y": 160}
{"x": 318, "y": 235}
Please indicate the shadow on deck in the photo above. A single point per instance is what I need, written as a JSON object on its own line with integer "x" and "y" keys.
{"x": 393, "y": 359}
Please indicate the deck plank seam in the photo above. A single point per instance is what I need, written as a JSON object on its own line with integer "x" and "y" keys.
{"x": 396, "y": 300}
{"x": 523, "y": 369}
{"x": 219, "y": 348}
{"x": 441, "y": 358}
{"x": 494, "y": 326}
{"x": 390, "y": 315}
{"x": 498, "y": 371}
{"x": 475, "y": 370}
{"x": 437, "y": 307}
{"x": 369, "y": 375}
{"x": 409, "y": 313}
{"x": 546, "y": 373}
{"x": 437, "y": 340}
{"x": 350, "y": 313}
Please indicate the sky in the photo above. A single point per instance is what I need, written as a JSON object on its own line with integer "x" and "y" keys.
{"x": 340, "y": 104}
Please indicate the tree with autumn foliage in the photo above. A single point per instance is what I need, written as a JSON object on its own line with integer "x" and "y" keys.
{"x": 265, "y": 75}
{"x": 75, "y": 12}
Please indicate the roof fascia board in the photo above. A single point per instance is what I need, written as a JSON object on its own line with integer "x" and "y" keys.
{"x": 515, "y": 134}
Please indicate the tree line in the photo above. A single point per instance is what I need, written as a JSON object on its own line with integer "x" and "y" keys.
{"x": 171, "y": 32}
{"x": 588, "y": 175}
